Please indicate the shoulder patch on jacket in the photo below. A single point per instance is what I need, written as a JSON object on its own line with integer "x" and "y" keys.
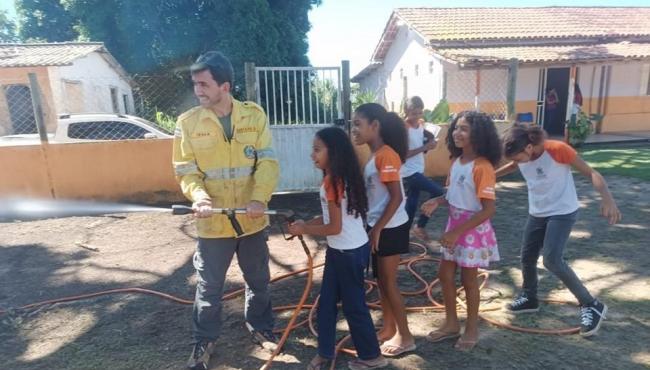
{"x": 252, "y": 105}
{"x": 189, "y": 114}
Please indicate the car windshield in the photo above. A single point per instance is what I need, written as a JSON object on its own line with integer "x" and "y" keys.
{"x": 153, "y": 125}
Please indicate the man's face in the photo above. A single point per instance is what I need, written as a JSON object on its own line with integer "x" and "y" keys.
{"x": 209, "y": 92}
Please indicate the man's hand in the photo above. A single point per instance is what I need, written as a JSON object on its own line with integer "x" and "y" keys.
{"x": 202, "y": 208}
{"x": 255, "y": 209}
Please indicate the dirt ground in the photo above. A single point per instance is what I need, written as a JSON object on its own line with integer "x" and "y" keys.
{"x": 41, "y": 260}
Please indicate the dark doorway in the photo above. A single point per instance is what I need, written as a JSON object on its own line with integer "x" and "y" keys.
{"x": 557, "y": 90}
{"x": 21, "y": 110}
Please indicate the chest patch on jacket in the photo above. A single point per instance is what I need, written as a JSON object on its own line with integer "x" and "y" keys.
{"x": 249, "y": 151}
{"x": 244, "y": 130}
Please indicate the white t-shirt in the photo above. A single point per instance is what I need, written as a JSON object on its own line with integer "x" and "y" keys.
{"x": 415, "y": 163}
{"x": 469, "y": 183}
{"x": 551, "y": 190}
{"x": 384, "y": 166}
{"x": 353, "y": 234}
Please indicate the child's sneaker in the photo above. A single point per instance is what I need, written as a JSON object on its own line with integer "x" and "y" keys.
{"x": 591, "y": 316}
{"x": 200, "y": 356}
{"x": 523, "y": 304}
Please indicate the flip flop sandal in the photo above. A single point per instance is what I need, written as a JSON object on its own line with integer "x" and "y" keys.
{"x": 439, "y": 335}
{"x": 396, "y": 350}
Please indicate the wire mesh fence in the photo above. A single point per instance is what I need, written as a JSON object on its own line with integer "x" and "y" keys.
{"x": 16, "y": 108}
{"x": 289, "y": 96}
{"x": 485, "y": 90}
{"x": 94, "y": 108}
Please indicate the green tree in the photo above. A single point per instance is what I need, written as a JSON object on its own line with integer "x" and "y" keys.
{"x": 162, "y": 37}
{"x": 7, "y": 28}
{"x": 147, "y": 35}
{"x": 45, "y": 20}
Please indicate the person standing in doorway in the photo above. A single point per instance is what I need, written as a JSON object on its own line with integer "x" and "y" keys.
{"x": 550, "y": 107}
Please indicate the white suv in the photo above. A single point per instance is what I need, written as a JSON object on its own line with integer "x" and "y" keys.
{"x": 89, "y": 127}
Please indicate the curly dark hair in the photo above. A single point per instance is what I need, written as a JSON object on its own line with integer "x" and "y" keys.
{"x": 392, "y": 128}
{"x": 519, "y": 135}
{"x": 344, "y": 167}
{"x": 484, "y": 136}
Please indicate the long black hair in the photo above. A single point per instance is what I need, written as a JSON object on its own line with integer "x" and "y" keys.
{"x": 392, "y": 128}
{"x": 519, "y": 135}
{"x": 344, "y": 167}
{"x": 484, "y": 137}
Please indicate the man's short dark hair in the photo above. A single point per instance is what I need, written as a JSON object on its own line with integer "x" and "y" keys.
{"x": 219, "y": 66}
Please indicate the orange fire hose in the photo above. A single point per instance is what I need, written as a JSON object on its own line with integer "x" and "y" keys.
{"x": 340, "y": 347}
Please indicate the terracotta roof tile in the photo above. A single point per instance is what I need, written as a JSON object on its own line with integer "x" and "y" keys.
{"x": 46, "y": 54}
{"x": 548, "y": 53}
{"x": 454, "y": 24}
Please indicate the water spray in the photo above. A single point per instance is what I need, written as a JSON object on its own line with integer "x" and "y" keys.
{"x": 20, "y": 209}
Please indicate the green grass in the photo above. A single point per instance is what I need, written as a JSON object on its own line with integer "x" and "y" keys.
{"x": 629, "y": 160}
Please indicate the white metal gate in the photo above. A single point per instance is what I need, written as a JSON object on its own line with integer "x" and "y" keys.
{"x": 298, "y": 102}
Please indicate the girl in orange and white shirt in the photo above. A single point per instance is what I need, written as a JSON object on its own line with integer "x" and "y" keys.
{"x": 469, "y": 240}
{"x": 388, "y": 226}
{"x": 344, "y": 205}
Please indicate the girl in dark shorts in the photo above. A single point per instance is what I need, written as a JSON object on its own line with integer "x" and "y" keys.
{"x": 388, "y": 227}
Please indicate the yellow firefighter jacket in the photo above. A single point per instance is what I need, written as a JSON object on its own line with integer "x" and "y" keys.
{"x": 229, "y": 172}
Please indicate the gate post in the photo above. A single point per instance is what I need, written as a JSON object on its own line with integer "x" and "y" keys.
{"x": 512, "y": 89}
{"x": 345, "y": 93}
{"x": 37, "y": 102}
{"x": 249, "y": 76}
{"x": 38, "y": 107}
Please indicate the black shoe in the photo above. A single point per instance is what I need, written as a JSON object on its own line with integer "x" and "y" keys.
{"x": 265, "y": 338}
{"x": 200, "y": 357}
{"x": 591, "y": 316}
{"x": 523, "y": 304}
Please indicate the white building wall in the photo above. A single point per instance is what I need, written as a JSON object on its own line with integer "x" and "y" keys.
{"x": 407, "y": 51}
{"x": 376, "y": 83}
{"x": 626, "y": 79}
{"x": 527, "y": 84}
{"x": 88, "y": 81}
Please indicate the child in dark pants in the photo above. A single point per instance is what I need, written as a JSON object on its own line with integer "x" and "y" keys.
{"x": 413, "y": 169}
{"x": 344, "y": 205}
{"x": 553, "y": 208}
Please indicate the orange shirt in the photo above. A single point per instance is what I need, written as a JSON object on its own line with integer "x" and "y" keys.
{"x": 382, "y": 168}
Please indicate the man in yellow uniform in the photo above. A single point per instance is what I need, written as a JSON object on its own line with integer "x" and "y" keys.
{"x": 223, "y": 159}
